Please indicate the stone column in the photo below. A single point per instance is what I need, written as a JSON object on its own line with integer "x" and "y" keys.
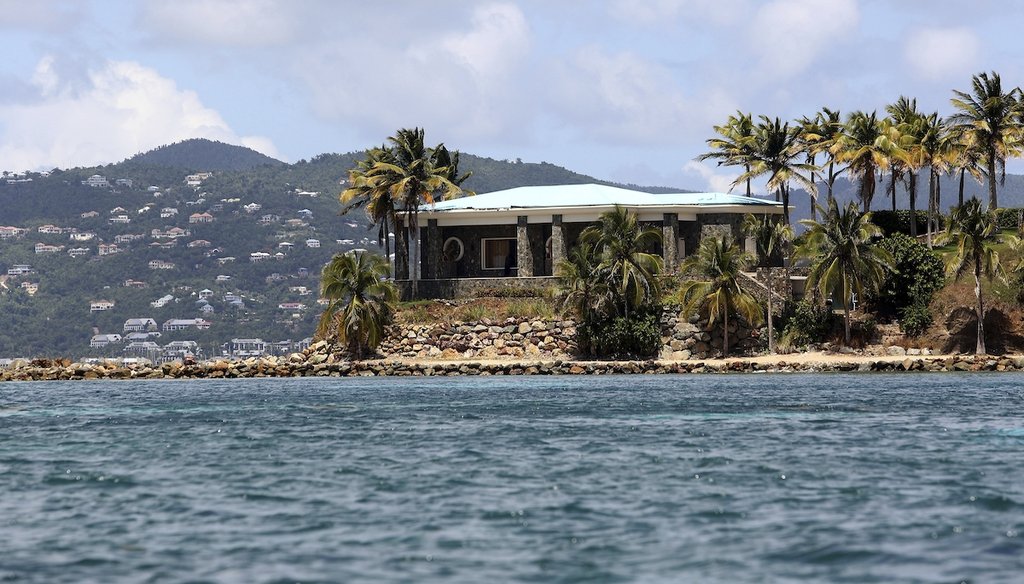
{"x": 670, "y": 241}
{"x": 557, "y": 242}
{"x": 524, "y": 249}
{"x": 431, "y": 250}
{"x": 401, "y": 257}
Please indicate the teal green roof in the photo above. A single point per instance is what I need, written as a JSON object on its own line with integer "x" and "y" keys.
{"x": 591, "y": 195}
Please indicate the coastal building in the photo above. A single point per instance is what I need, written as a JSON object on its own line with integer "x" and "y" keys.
{"x": 10, "y": 232}
{"x": 258, "y": 256}
{"x": 200, "y": 218}
{"x": 138, "y": 284}
{"x": 104, "y": 249}
{"x": 128, "y": 237}
{"x": 252, "y": 208}
{"x": 196, "y": 180}
{"x": 168, "y": 212}
{"x": 142, "y": 349}
{"x": 242, "y": 348}
{"x": 313, "y": 243}
{"x": 20, "y": 270}
{"x": 292, "y": 306}
{"x": 161, "y": 265}
{"x": 83, "y": 236}
{"x": 524, "y": 232}
{"x": 162, "y": 301}
{"x": 120, "y": 219}
{"x": 124, "y": 182}
{"x": 77, "y": 252}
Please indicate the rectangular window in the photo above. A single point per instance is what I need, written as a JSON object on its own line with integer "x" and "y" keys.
{"x": 499, "y": 254}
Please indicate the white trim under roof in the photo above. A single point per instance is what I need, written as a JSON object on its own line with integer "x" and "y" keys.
{"x": 584, "y": 203}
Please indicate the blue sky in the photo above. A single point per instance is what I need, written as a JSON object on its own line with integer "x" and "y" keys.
{"x": 625, "y": 90}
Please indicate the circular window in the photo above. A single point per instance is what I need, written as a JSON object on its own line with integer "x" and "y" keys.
{"x": 453, "y": 249}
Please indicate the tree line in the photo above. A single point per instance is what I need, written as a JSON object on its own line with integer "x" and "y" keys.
{"x": 985, "y": 129}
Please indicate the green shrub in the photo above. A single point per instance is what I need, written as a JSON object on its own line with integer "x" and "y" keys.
{"x": 915, "y": 319}
{"x": 918, "y": 273}
{"x": 1009, "y": 218}
{"x": 636, "y": 336}
{"x": 807, "y": 322}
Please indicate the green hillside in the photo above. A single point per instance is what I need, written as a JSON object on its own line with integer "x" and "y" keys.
{"x": 57, "y": 319}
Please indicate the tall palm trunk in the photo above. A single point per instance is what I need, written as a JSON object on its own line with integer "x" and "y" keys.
{"x": 963, "y": 171}
{"x": 814, "y": 213}
{"x": 937, "y": 216}
{"x": 992, "y": 202}
{"x": 931, "y": 203}
{"x": 831, "y": 180}
{"x": 748, "y": 179}
{"x": 725, "y": 334}
{"x": 784, "y": 192}
{"x": 846, "y": 321}
{"x": 980, "y": 347}
{"x": 771, "y": 330}
{"x": 892, "y": 189}
{"x": 913, "y": 204}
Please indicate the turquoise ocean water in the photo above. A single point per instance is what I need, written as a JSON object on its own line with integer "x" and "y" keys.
{"x": 744, "y": 478}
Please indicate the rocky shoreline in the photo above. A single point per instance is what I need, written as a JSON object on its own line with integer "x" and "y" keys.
{"x": 321, "y": 361}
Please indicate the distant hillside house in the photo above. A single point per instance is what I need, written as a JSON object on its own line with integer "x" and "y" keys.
{"x": 285, "y": 245}
{"x": 199, "y": 243}
{"x": 90, "y": 214}
{"x": 9, "y": 232}
{"x": 142, "y": 349}
{"x": 137, "y": 284}
{"x": 225, "y": 260}
{"x": 77, "y": 252}
{"x": 196, "y": 180}
{"x": 139, "y": 325}
{"x": 305, "y": 213}
{"x": 128, "y": 237}
{"x": 206, "y": 293}
{"x": 206, "y": 309}
{"x": 121, "y": 219}
{"x": 252, "y": 207}
{"x": 524, "y": 232}
{"x": 20, "y": 270}
{"x": 96, "y": 181}
{"x": 123, "y": 182}
{"x": 83, "y": 236}
{"x": 168, "y": 212}
{"x": 314, "y": 243}
{"x": 100, "y": 341}
{"x": 117, "y": 210}
{"x": 180, "y": 324}
{"x": 162, "y": 301}
{"x": 161, "y": 265}
{"x": 165, "y": 244}
{"x": 269, "y": 218}
{"x": 50, "y": 230}
{"x": 200, "y": 218}
{"x": 295, "y": 223}
{"x": 105, "y": 249}
{"x": 100, "y": 305}
{"x": 42, "y": 248}
{"x": 30, "y": 288}
{"x": 291, "y": 306}
{"x": 255, "y": 257}
{"x": 222, "y": 278}
{"x": 172, "y": 233}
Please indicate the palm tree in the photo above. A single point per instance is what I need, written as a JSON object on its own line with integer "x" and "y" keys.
{"x": 734, "y": 144}
{"x": 965, "y": 161}
{"x": 776, "y": 150}
{"x": 361, "y": 302}
{"x": 770, "y": 237}
{"x": 624, "y": 245}
{"x": 364, "y": 192}
{"x": 812, "y": 141}
{"x": 720, "y": 261}
{"x": 988, "y": 121}
{"x": 584, "y": 286}
{"x": 867, "y": 145}
{"x": 974, "y": 232}
{"x": 830, "y": 122}
{"x": 845, "y": 261}
{"x": 907, "y": 121}
{"x": 935, "y": 151}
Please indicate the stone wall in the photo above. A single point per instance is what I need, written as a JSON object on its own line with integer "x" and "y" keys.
{"x": 471, "y": 287}
{"x": 682, "y": 338}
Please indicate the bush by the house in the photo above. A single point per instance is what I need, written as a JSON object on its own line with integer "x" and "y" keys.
{"x": 918, "y": 273}
{"x": 807, "y": 322}
{"x": 915, "y": 319}
{"x": 636, "y": 336}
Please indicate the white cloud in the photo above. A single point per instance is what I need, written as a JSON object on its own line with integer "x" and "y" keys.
{"x": 717, "y": 182}
{"x": 625, "y": 97}
{"x": 663, "y": 12}
{"x": 45, "y": 15}
{"x": 124, "y": 108}
{"x": 463, "y": 81}
{"x": 791, "y": 35}
{"x": 937, "y": 54}
{"x": 237, "y": 23}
